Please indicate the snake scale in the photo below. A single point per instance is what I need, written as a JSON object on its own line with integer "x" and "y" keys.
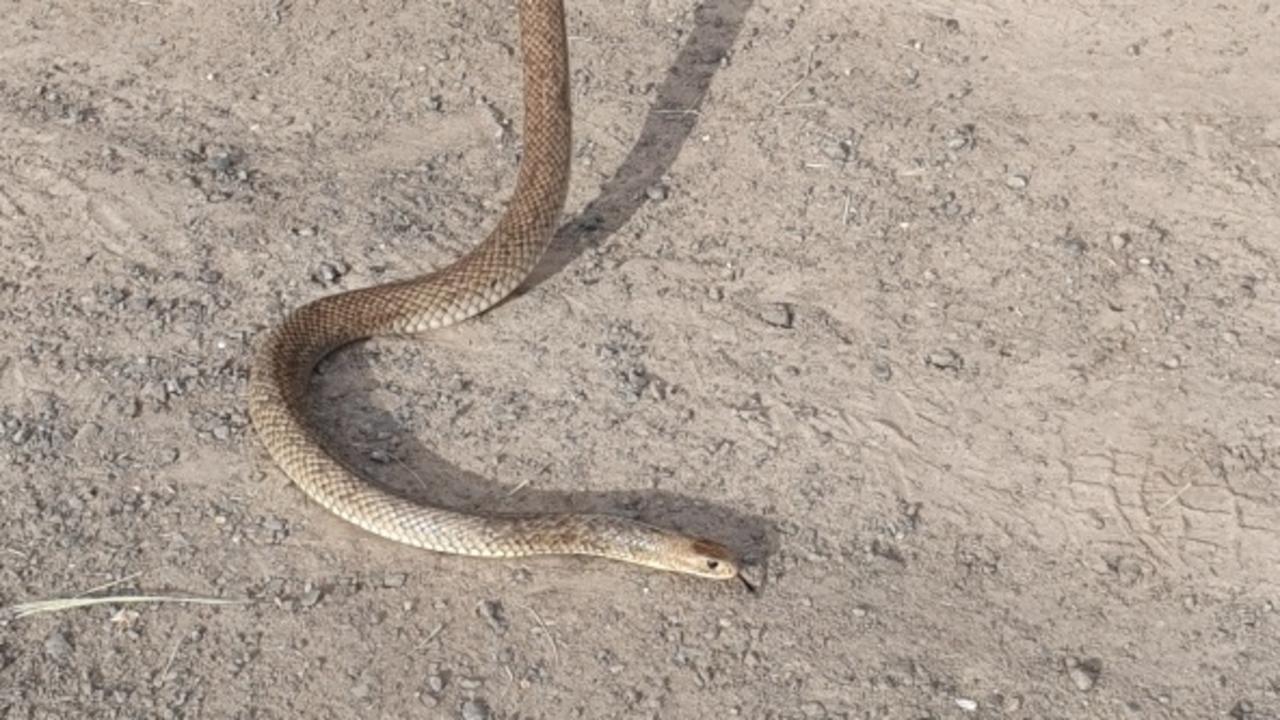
{"x": 284, "y": 362}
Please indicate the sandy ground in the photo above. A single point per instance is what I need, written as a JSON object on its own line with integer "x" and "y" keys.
{"x": 960, "y": 319}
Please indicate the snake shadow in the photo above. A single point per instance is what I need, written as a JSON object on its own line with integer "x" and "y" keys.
{"x": 671, "y": 119}
{"x": 406, "y": 466}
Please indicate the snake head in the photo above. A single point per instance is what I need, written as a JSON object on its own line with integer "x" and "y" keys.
{"x": 643, "y": 544}
{"x": 705, "y": 558}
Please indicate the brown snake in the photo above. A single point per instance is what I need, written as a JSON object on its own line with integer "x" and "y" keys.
{"x": 475, "y": 282}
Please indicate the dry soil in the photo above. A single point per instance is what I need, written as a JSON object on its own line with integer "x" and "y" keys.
{"x": 960, "y": 319}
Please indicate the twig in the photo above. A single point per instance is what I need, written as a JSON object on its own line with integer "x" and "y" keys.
{"x": 34, "y": 607}
{"x": 1173, "y": 498}
{"x": 808, "y": 70}
{"x": 435, "y": 632}
{"x": 169, "y": 663}
{"x": 111, "y": 584}
{"x": 546, "y": 632}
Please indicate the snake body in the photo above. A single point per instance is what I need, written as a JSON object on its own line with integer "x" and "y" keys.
{"x": 284, "y": 362}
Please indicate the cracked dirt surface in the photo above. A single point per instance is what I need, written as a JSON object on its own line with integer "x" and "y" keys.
{"x": 962, "y": 318}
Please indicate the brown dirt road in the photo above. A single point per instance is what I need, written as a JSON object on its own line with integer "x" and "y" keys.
{"x": 964, "y": 318}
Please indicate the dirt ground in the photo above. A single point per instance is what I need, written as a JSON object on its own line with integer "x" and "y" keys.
{"x": 961, "y": 320}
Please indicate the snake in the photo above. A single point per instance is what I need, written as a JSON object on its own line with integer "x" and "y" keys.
{"x": 284, "y": 362}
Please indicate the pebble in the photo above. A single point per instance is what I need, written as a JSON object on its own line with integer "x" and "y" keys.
{"x": 57, "y": 646}
{"x": 780, "y": 315}
{"x": 882, "y": 371}
{"x": 1016, "y": 182}
{"x": 1084, "y": 673}
{"x": 435, "y": 684}
{"x": 329, "y": 273}
{"x": 309, "y": 598}
{"x": 813, "y": 709}
{"x": 395, "y": 580}
{"x": 492, "y": 612}
{"x": 475, "y": 710}
{"x": 273, "y": 588}
{"x": 1074, "y": 244}
{"x": 966, "y": 704}
{"x": 1243, "y": 710}
{"x": 220, "y": 161}
{"x": 656, "y": 192}
{"x": 1172, "y": 363}
{"x": 944, "y": 359}
{"x": 1011, "y": 703}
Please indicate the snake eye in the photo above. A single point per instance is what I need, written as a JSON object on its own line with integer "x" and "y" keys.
{"x": 713, "y": 564}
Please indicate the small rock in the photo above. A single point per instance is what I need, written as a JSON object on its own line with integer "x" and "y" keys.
{"x": 273, "y": 588}
{"x": 220, "y": 161}
{"x": 944, "y": 359}
{"x": 475, "y": 710}
{"x": 1073, "y": 243}
{"x": 435, "y": 684}
{"x": 492, "y": 612}
{"x": 57, "y": 646}
{"x": 1119, "y": 241}
{"x": 310, "y": 598}
{"x": 1172, "y": 363}
{"x": 21, "y": 435}
{"x": 1243, "y": 710}
{"x": 839, "y": 150}
{"x": 329, "y": 273}
{"x": 813, "y": 709}
{"x": 395, "y": 580}
{"x": 882, "y": 371}
{"x": 656, "y": 192}
{"x": 1016, "y": 182}
{"x": 1084, "y": 673}
{"x": 780, "y": 315}
{"x": 1010, "y": 703}
{"x": 966, "y": 704}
